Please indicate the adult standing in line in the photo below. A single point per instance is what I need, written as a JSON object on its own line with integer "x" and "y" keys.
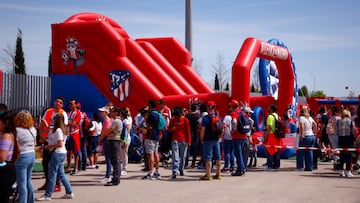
{"x": 181, "y": 138}
{"x": 83, "y": 139}
{"x": 56, "y": 166}
{"x": 193, "y": 118}
{"x": 47, "y": 123}
{"x": 307, "y": 127}
{"x": 73, "y": 140}
{"x": 346, "y": 131}
{"x": 228, "y": 144}
{"x": 104, "y": 112}
{"x": 124, "y": 148}
{"x": 7, "y": 155}
{"x": 153, "y": 135}
{"x": 93, "y": 140}
{"x": 239, "y": 140}
{"x": 211, "y": 146}
{"x": 26, "y": 140}
{"x": 114, "y": 136}
{"x": 272, "y": 150}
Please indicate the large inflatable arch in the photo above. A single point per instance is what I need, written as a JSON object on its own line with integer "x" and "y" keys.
{"x": 251, "y": 49}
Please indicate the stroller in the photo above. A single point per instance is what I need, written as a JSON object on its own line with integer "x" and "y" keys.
{"x": 14, "y": 195}
{"x": 165, "y": 149}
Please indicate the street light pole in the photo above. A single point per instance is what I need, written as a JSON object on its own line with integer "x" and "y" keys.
{"x": 314, "y": 76}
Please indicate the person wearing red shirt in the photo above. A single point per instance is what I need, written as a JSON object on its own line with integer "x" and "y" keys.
{"x": 73, "y": 141}
{"x": 181, "y": 138}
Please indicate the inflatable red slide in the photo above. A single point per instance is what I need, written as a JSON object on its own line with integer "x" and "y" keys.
{"x": 127, "y": 72}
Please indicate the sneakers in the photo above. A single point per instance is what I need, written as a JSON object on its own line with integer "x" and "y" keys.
{"x": 43, "y": 198}
{"x": 73, "y": 172}
{"x": 342, "y": 173}
{"x": 217, "y": 177}
{"x": 349, "y": 174}
{"x": 148, "y": 177}
{"x": 112, "y": 183}
{"x": 157, "y": 175}
{"x": 205, "y": 177}
{"x": 225, "y": 170}
{"x": 57, "y": 188}
{"x": 123, "y": 173}
{"x": 91, "y": 167}
{"x": 68, "y": 196}
{"x": 104, "y": 180}
{"x": 237, "y": 173}
{"x": 173, "y": 177}
{"x": 181, "y": 173}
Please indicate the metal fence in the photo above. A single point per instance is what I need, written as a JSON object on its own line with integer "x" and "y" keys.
{"x": 27, "y": 92}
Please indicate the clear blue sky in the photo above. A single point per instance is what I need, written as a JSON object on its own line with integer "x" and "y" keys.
{"x": 323, "y": 36}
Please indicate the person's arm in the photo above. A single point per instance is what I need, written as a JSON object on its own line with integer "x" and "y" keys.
{"x": 3, "y": 152}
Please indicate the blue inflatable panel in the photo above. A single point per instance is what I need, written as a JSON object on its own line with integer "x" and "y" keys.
{"x": 77, "y": 87}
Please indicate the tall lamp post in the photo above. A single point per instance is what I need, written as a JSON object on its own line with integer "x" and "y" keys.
{"x": 314, "y": 76}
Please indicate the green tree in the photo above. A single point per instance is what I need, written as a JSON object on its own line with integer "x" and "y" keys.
{"x": 303, "y": 91}
{"x": 19, "y": 66}
{"x": 227, "y": 88}
{"x": 50, "y": 64}
{"x": 318, "y": 93}
{"x": 216, "y": 83}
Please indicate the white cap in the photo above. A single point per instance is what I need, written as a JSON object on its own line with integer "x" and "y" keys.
{"x": 247, "y": 109}
{"x": 104, "y": 109}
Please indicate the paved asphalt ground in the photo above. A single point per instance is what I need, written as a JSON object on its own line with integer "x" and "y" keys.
{"x": 286, "y": 185}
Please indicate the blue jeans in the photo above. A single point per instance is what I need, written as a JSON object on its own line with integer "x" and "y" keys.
{"x": 307, "y": 141}
{"x": 56, "y": 168}
{"x": 238, "y": 153}
{"x": 273, "y": 162}
{"x": 107, "y": 157}
{"x": 229, "y": 153}
{"x": 179, "y": 150}
{"x": 24, "y": 166}
{"x": 83, "y": 157}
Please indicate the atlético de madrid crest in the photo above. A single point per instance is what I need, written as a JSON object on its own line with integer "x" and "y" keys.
{"x": 120, "y": 84}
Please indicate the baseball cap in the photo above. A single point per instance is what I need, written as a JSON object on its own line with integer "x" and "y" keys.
{"x": 104, "y": 109}
{"x": 248, "y": 110}
{"x": 234, "y": 103}
{"x": 211, "y": 104}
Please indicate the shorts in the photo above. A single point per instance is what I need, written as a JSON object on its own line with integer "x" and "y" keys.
{"x": 92, "y": 144}
{"x": 151, "y": 146}
{"x": 211, "y": 150}
{"x": 70, "y": 143}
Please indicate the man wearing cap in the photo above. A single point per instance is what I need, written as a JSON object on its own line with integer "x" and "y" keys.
{"x": 239, "y": 139}
{"x": 211, "y": 147}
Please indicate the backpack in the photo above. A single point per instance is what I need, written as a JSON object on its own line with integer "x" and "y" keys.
{"x": 123, "y": 137}
{"x": 243, "y": 123}
{"x": 87, "y": 126}
{"x": 330, "y": 128}
{"x": 215, "y": 128}
{"x": 280, "y": 127}
{"x": 162, "y": 121}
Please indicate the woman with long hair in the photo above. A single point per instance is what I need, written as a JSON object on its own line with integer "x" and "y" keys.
{"x": 57, "y": 150}
{"x": 7, "y": 156}
{"x": 26, "y": 140}
{"x": 124, "y": 148}
{"x": 346, "y": 131}
{"x": 307, "y": 127}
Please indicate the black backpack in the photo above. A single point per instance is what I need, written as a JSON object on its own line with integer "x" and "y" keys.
{"x": 215, "y": 128}
{"x": 243, "y": 123}
{"x": 280, "y": 127}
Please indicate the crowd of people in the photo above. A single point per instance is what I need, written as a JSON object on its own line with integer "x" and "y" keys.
{"x": 196, "y": 137}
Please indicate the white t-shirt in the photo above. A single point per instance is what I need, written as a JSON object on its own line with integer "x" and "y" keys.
{"x": 307, "y": 125}
{"x": 227, "y": 132}
{"x": 26, "y": 139}
{"x": 55, "y": 137}
{"x": 97, "y": 127}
